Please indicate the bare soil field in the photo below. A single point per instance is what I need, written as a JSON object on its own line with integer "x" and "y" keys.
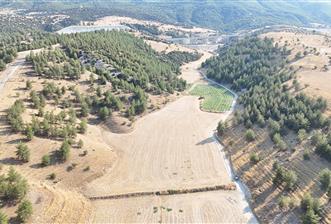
{"x": 164, "y": 47}
{"x": 313, "y": 69}
{"x": 206, "y": 207}
{"x": 177, "y": 158}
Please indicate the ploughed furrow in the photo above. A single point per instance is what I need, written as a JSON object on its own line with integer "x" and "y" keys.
{"x": 55, "y": 205}
{"x": 228, "y": 187}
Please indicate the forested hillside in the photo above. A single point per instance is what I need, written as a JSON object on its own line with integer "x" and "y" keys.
{"x": 126, "y": 66}
{"x": 258, "y": 68}
{"x": 14, "y": 39}
{"x": 274, "y": 112}
{"x": 221, "y": 15}
{"x": 139, "y": 65}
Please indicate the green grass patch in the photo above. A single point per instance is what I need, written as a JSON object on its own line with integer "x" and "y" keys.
{"x": 216, "y": 98}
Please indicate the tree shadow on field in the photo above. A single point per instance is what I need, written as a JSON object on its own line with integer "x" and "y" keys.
{"x": 11, "y": 161}
{"x": 206, "y": 141}
{"x": 16, "y": 141}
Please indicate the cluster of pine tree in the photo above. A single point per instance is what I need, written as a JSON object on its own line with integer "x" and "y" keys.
{"x": 14, "y": 39}
{"x": 55, "y": 64}
{"x": 13, "y": 189}
{"x": 137, "y": 63}
{"x": 46, "y": 124}
{"x": 257, "y": 68}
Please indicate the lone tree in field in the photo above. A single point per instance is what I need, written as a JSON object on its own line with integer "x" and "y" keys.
{"x": 83, "y": 126}
{"x": 287, "y": 177}
{"x": 254, "y": 158}
{"x": 250, "y": 135}
{"x": 64, "y": 151}
{"x": 29, "y": 132}
{"x": 13, "y": 187}
{"x": 221, "y": 128}
{"x": 23, "y": 152}
{"x": 325, "y": 179}
{"x": 24, "y": 211}
{"x": 290, "y": 180}
{"x": 45, "y": 160}
{"x": 28, "y": 85}
{"x": 104, "y": 113}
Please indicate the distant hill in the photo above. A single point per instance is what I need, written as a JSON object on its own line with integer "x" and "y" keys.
{"x": 226, "y": 16}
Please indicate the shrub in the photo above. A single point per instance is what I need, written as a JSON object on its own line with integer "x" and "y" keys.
{"x": 221, "y": 128}
{"x": 29, "y": 132}
{"x": 290, "y": 179}
{"x": 28, "y": 84}
{"x": 24, "y": 211}
{"x": 64, "y": 151}
{"x": 308, "y": 202}
{"x": 45, "y": 160}
{"x": 52, "y": 176}
{"x": 306, "y": 155}
{"x": 254, "y": 158}
{"x": 328, "y": 193}
{"x": 87, "y": 168}
{"x": 23, "y": 152}
{"x": 310, "y": 217}
{"x": 287, "y": 177}
{"x": 286, "y": 203}
{"x": 104, "y": 113}
{"x": 277, "y": 139}
{"x": 80, "y": 143}
{"x": 83, "y": 126}
{"x": 3, "y": 218}
{"x": 325, "y": 178}
{"x": 302, "y": 135}
{"x": 250, "y": 135}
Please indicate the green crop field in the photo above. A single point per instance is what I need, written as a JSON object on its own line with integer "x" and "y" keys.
{"x": 216, "y": 99}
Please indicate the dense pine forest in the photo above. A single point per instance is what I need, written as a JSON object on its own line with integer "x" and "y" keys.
{"x": 271, "y": 97}
{"x": 137, "y": 63}
{"x": 257, "y": 68}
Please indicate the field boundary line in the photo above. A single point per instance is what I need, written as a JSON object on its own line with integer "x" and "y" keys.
{"x": 228, "y": 187}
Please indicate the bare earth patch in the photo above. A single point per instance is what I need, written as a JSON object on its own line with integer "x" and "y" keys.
{"x": 117, "y": 20}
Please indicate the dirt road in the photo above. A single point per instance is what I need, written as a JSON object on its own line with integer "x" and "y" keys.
{"x": 11, "y": 69}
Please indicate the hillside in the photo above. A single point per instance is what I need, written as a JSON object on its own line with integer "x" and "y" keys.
{"x": 279, "y": 139}
{"x": 226, "y": 16}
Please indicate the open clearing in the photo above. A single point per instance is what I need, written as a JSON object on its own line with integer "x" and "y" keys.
{"x": 161, "y": 153}
{"x": 215, "y": 98}
{"x": 206, "y": 207}
{"x": 170, "y": 148}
